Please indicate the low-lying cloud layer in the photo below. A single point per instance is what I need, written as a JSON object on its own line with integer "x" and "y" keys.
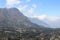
{"x": 46, "y": 17}
{"x": 54, "y": 22}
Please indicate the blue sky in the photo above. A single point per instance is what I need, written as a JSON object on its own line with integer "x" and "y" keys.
{"x": 48, "y": 7}
{"x": 2, "y": 3}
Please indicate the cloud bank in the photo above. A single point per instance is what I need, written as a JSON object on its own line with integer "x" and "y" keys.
{"x": 54, "y": 22}
{"x": 11, "y": 3}
{"x": 46, "y": 17}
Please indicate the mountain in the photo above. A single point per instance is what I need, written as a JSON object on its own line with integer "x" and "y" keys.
{"x": 13, "y": 24}
{"x": 54, "y": 24}
{"x": 13, "y": 19}
{"x": 39, "y": 22}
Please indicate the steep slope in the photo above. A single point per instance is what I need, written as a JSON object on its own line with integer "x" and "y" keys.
{"x": 13, "y": 18}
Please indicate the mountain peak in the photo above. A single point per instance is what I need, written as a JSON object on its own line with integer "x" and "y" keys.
{"x": 12, "y": 17}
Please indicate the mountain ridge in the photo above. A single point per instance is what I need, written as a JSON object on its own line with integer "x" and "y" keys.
{"x": 13, "y": 20}
{"x": 12, "y": 17}
{"x": 39, "y": 22}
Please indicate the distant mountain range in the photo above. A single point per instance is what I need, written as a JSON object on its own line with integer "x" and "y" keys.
{"x": 39, "y": 22}
{"x": 46, "y": 23}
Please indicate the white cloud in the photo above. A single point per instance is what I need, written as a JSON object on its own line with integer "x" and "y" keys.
{"x": 41, "y": 17}
{"x": 28, "y": 0}
{"x": 32, "y": 9}
{"x": 10, "y": 3}
{"x": 34, "y": 5}
{"x": 54, "y": 22}
{"x": 22, "y": 8}
{"x": 53, "y": 18}
{"x": 47, "y": 18}
{"x": 26, "y": 9}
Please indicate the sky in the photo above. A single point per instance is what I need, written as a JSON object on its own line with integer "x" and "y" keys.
{"x": 46, "y": 10}
{"x": 34, "y": 7}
